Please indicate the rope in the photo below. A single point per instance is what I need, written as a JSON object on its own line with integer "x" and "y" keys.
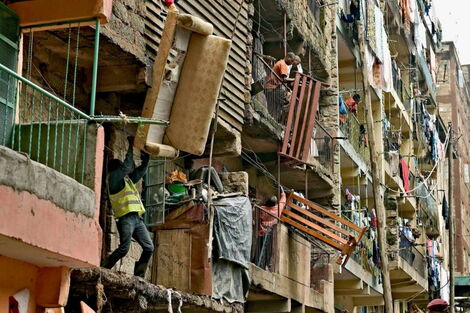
{"x": 67, "y": 62}
{"x": 180, "y": 304}
{"x": 76, "y": 66}
{"x": 170, "y": 308}
{"x": 425, "y": 180}
{"x": 30, "y": 53}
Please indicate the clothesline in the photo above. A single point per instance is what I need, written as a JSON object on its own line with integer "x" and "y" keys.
{"x": 425, "y": 180}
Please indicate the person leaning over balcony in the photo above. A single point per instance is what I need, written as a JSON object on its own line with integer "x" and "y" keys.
{"x": 128, "y": 209}
{"x": 281, "y": 69}
{"x": 295, "y": 67}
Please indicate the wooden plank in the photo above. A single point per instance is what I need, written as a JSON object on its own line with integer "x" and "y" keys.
{"x": 314, "y": 226}
{"x": 304, "y": 122}
{"x": 319, "y": 219}
{"x": 290, "y": 116}
{"x": 85, "y": 308}
{"x": 311, "y": 124}
{"x": 298, "y": 109}
{"x": 325, "y": 212}
{"x": 173, "y": 259}
{"x": 157, "y": 77}
{"x": 328, "y": 241}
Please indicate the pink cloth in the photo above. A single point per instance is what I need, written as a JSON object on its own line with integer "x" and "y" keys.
{"x": 268, "y": 220}
{"x": 405, "y": 175}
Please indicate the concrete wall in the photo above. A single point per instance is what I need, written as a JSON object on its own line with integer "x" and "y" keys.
{"x": 48, "y": 287}
{"x": 48, "y": 218}
{"x": 15, "y": 276}
{"x": 454, "y": 107}
{"x": 22, "y": 174}
{"x": 53, "y": 11}
{"x": 72, "y": 148}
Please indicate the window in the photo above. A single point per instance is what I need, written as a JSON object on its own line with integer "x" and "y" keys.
{"x": 460, "y": 78}
{"x": 154, "y": 192}
{"x": 466, "y": 174}
{"x": 9, "y": 43}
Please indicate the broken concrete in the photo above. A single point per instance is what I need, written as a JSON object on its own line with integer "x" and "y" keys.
{"x": 19, "y": 172}
{"x": 125, "y": 293}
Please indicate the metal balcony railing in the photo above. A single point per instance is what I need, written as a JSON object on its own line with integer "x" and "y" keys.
{"x": 322, "y": 147}
{"x": 262, "y": 246}
{"x": 277, "y": 100}
{"x": 427, "y": 76}
{"x": 401, "y": 89}
{"x": 356, "y": 134}
{"x": 361, "y": 254}
{"x": 412, "y": 256}
{"x": 47, "y": 128}
{"x": 38, "y": 123}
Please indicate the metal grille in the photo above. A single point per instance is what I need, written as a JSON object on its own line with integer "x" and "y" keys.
{"x": 154, "y": 193}
{"x": 412, "y": 256}
{"x": 48, "y": 129}
{"x": 9, "y": 37}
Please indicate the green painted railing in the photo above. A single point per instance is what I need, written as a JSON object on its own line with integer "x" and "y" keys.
{"x": 47, "y": 128}
{"x": 351, "y": 128}
{"x": 40, "y": 124}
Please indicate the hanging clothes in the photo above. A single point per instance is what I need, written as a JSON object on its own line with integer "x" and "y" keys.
{"x": 387, "y": 65}
{"x": 342, "y": 106}
{"x": 373, "y": 219}
{"x": 445, "y": 211}
{"x": 434, "y": 145}
{"x": 405, "y": 175}
{"x": 394, "y": 162}
{"x": 377, "y": 74}
{"x": 363, "y": 138}
{"x": 268, "y": 220}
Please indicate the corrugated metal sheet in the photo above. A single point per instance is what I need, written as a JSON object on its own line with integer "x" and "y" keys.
{"x": 223, "y": 15}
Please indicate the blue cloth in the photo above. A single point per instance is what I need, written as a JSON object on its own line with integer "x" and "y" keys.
{"x": 342, "y": 106}
{"x": 434, "y": 145}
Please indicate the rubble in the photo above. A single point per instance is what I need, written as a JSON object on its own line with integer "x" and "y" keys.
{"x": 111, "y": 291}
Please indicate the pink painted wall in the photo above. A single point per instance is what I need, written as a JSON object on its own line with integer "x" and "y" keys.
{"x": 39, "y": 12}
{"x": 39, "y": 231}
{"x": 16, "y": 276}
{"x": 41, "y": 224}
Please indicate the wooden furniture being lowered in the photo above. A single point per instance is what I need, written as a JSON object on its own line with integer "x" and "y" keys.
{"x": 318, "y": 222}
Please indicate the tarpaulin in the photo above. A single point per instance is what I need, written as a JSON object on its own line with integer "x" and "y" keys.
{"x": 232, "y": 248}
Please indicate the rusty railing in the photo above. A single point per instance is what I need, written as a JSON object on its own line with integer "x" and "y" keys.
{"x": 300, "y": 122}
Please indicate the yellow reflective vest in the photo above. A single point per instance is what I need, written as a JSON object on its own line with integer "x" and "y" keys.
{"x": 127, "y": 200}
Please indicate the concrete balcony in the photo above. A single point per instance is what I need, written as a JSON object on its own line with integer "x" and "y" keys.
{"x": 355, "y": 286}
{"x": 289, "y": 279}
{"x": 47, "y": 218}
{"x": 426, "y": 72}
{"x": 40, "y": 12}
{"x": 48, "y": 224}
{"x": 408, "y": 272}
{"x": 407, "y": 206}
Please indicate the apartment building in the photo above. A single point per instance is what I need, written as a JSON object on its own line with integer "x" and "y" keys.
{"x": 76, "y": 83}
{"x": 402, "y": 41}
{"x": 453, "y": 99}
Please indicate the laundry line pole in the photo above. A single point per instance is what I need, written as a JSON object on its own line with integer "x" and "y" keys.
{"x": 450, "y": 151}
{"x": 376, "y": 180}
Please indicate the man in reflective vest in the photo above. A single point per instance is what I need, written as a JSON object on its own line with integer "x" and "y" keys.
{"x": 128, "y": 209}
